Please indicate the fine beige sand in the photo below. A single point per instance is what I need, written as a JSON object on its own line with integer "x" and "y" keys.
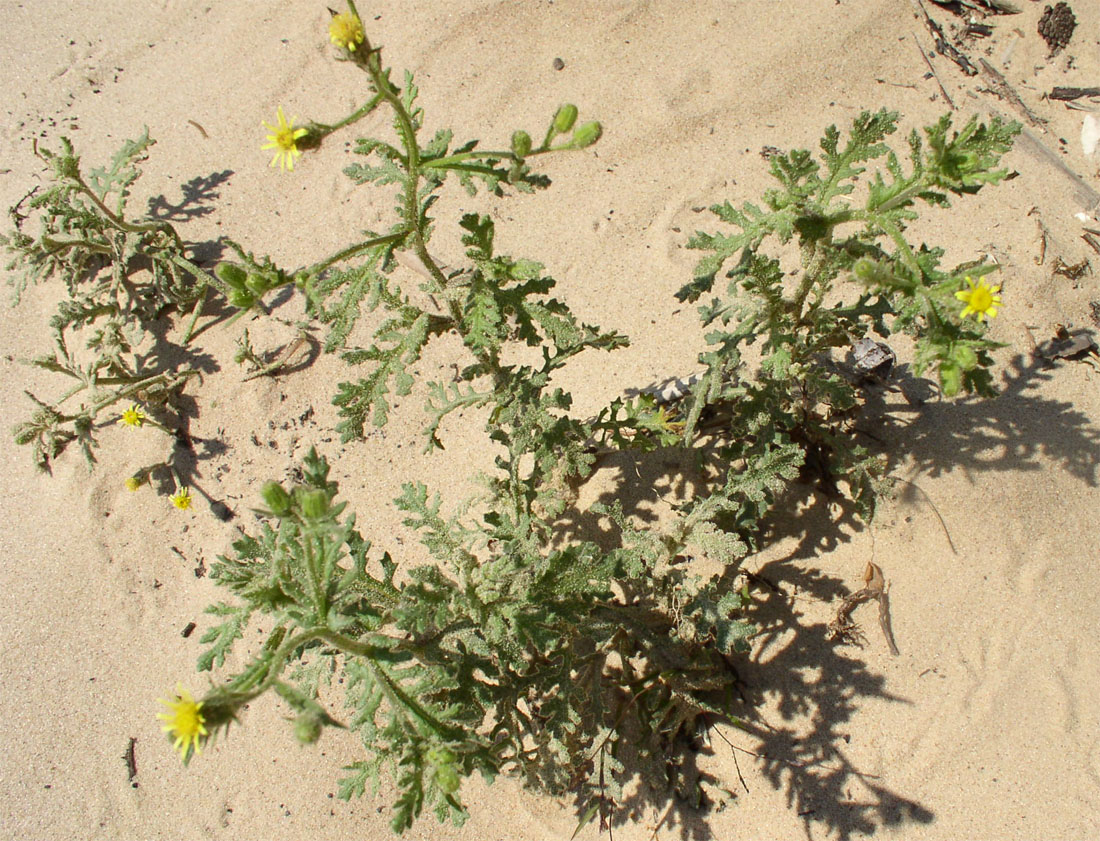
{"x": 985, "y": 726}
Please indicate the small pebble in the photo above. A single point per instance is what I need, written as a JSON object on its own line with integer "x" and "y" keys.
{"x": 558, "y": 64}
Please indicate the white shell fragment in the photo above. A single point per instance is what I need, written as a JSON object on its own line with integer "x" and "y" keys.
{"x": 1090, "y": 134}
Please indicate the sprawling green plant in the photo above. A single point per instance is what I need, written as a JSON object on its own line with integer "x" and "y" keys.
{"x": 523, "y": 648}
{"x": 798, "y": 394}
{"x": 121, "y": 275}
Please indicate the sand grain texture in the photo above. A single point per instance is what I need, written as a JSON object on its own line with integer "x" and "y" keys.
{"x": 985, "y": 726}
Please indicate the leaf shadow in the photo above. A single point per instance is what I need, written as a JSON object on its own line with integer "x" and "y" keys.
{"x": 812, "y": 683}
{"x": 1021, "y": 430}
{"x": 198, "y": 193}
{"x": 815, "y": 685}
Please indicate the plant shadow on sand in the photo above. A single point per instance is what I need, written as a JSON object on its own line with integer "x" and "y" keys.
{"x": 199, "y": 196}
{"x": 812, "y": 683}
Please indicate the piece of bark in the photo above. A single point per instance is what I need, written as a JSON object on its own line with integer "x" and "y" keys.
{"x": 1067, "y": 94}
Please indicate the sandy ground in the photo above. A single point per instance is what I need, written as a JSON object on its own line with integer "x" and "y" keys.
{"x": 982, "y": 727}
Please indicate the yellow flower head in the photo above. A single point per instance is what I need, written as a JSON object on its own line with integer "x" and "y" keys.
{"x": 136, "y": 481}
{"x": 284, "y": 140}
{"x": 133, "y": 416}
{"x": 182, "y": 499}
{"x": 981, "y": 299}
{"x": 185, "y": 723}
{"x": 346, "y": 31}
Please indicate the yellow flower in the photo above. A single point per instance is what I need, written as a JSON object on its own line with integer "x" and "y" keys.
{"x": 133, "y": 416}
{"x": 284, "y": 140}
{"x": 981, "y": 299}
{"x": 134, "y": 482}
{"x": 185, "y": 723}
{"x": 182, "y": 499}
{"x": 346, "y": 31}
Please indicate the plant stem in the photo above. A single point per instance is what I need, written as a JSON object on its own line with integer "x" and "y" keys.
{"x": 411, "y": 210}
{"x": 54, "y": 245}
{"x": 190, "y": 331}
{"x": 314, "y": 540}
{"x": 122, "y": 224}
{"x": 904, "y": 250}
{"x": 352, "y": 250}
{"x": 323, "y": 129}
{"x": 199, "y": 273}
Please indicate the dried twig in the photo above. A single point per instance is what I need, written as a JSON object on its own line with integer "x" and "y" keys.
{"x": 1005, "y": 91}
{"x": 935, "y": 75}
{"x": 283, "y": 357}
{"x": 131, "y": 761}
{"x": 794, "y": 763}
{"x": 1044, "y": 235}
{"x": 935, "y": 510}
{"x": 1067, "y": 94}
{"x": 943, "y": 46}
{"x": 1091, "y": 239}
{"x": 844, "y": 628}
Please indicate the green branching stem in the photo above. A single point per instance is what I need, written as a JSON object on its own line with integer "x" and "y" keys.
{"x": 199, "y": 273}
{"x": 133, "y": 385}
{"x": 398, "y": 694}
{"x": 122, "y": 224}
{"x": 456, "y": 160}
{"x": 352, "y": 251}
{"x": 190, "y": 331}
{"x": 411, "y": 210}
{"x": 321, "y": 130}
{"x": 905, "y": 252}
{"x": 814, "y": 258}
{"x": 52, "y": 245}
{"x": 317, "y": 594}
{"x": 256, "y": 682}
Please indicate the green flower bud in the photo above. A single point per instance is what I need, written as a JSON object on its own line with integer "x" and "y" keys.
{"x": 231, "y": 274}
{"x": 950, "y": 379}
{"x": 966, "y": 357}
{"x": 276, "y": 498}
{"x": 586, "y": 135}
{"x": 440, "y": 756}
{"x": 241, "y": 298}
{"x": 314, "y": 503}
{"x": 865, "y": 270}
{"x": 446, "y": 774}
{"x": 257, "y": 283}
{"x": 447, "y": 778}
{"x": 564, "y": 119}
{"x": 307, "y": 728}
{"x": 521, "y": 144}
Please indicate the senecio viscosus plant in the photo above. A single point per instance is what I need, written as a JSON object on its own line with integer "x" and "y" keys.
{"x": 522, "y": 648}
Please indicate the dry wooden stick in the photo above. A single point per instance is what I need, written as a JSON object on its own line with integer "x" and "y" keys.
{"x": 131, "y": 762}
{"x": 1005, "y": 91}
{"x": 935, "y": 510}
{"x": 1086, "y": 197}
{"x": 1067, "y": 94}
{"x": 874, "y": 588}
{"x": 932, "y": 70}
{"x": 943, "y": 46}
